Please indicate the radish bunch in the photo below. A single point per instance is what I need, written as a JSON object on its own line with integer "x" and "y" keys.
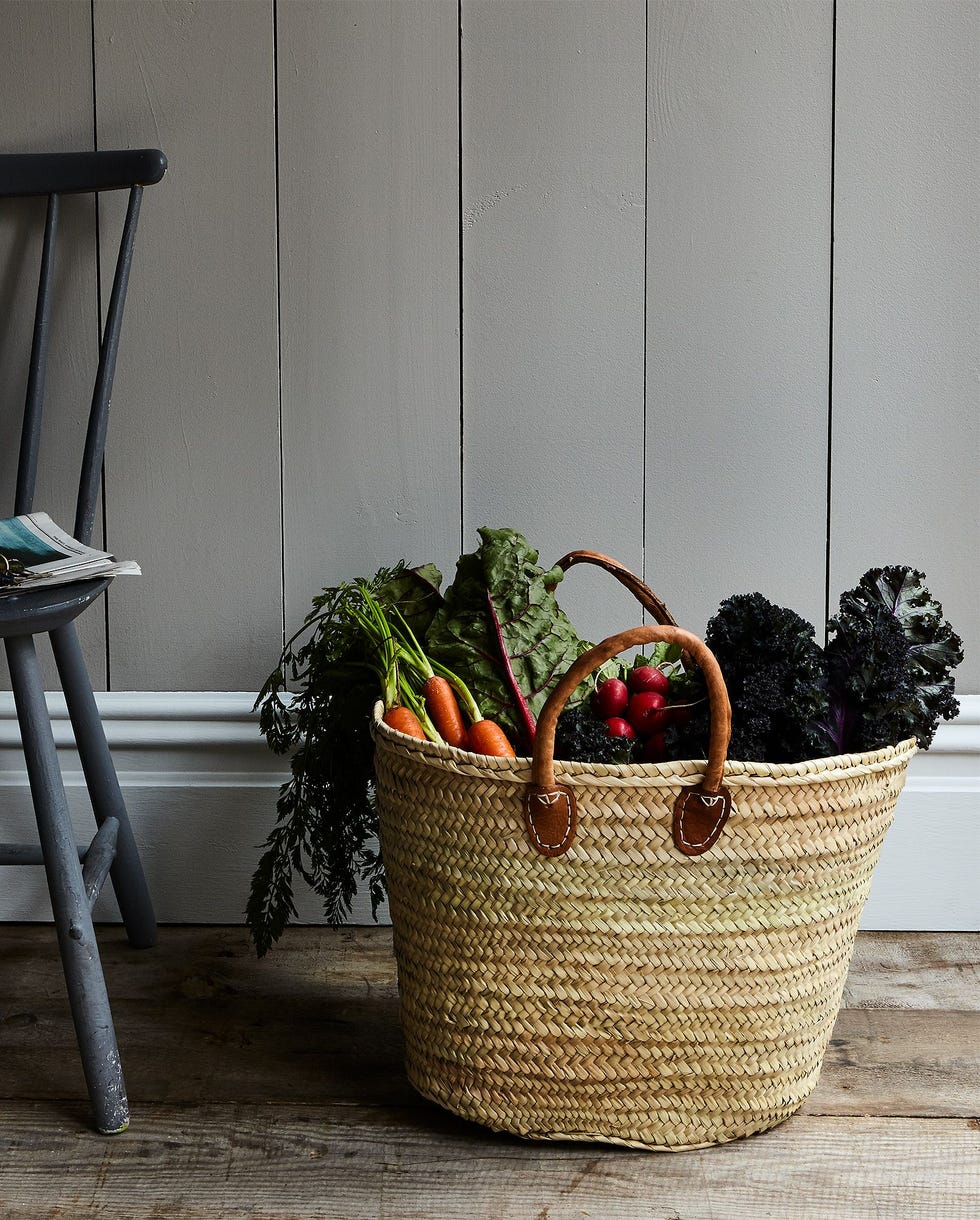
{"x": 637, "y": 709}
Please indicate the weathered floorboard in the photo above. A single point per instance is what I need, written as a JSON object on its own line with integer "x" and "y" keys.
{"x": 888, "y": 1062}
{"x": 316, "y": 1021}
{"x": 924, "y": 970}
{"x": 351, "y": 1162}
{"x": 275, "y": 1088}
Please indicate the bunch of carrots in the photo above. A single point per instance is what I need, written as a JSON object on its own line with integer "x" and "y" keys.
{"x": 422, "y": 698}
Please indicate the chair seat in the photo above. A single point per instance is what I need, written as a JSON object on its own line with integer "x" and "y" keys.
{"x": 38, "y": 610}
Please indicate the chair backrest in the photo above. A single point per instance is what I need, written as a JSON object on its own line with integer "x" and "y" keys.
{"x": 54, "y": 175}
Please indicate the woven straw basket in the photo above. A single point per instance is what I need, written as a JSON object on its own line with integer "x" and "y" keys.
{"x": 638, "y": 955}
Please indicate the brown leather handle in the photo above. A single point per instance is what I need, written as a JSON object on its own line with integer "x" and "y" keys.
{"x": 543, "y": 762}
{"x": 699, "y": 813}
{"x": 642, "y": 592}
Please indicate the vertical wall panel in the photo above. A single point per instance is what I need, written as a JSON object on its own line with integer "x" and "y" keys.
{"x": 46, "y": 104}
{"x": 553, "y": 129}
{"x": 193, "y": 460}
{"x": 369, "y": 256}
{"x": 906, "y": 417}
{"x": 738, "y": 302}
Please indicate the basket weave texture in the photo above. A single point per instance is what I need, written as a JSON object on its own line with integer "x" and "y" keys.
{"x": 623, "y": 992}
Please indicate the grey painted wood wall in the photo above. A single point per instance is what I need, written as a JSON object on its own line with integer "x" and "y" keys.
{"x": 694, "y": 283}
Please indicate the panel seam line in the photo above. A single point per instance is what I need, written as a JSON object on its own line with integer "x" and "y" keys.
{"x": 282, "y": 460}
{"x": 98, "y": 306}
{"x": 646, "y": 287}
{"x": 459, "y": 187}
{"x": 830, "y": 317}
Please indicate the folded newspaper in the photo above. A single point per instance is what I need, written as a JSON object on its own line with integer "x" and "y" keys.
{"x": 34, "y": 552}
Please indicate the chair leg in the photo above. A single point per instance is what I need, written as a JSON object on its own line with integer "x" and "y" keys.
{"x": 128, "y": 879}
{"x": 73, "y": 920}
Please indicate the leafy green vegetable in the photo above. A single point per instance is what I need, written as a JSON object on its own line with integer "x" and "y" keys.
{"x": 502, "y": 631}
{"x": 326, "y": 821}
{"x": 327, "y": 825}
{"x": 884, "y": 676}
{"x": 773, "y": 668}
{"x": 890, "y": 659}
{"x": 686, "y": 684}
{"x": 581, "y": 736}
{"x": 870, "y": 683}
{"x": 663, "y": 655}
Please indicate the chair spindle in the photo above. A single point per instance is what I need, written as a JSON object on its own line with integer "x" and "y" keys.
{"x": 98, "y": 421}
{"x": 30, "y": 437}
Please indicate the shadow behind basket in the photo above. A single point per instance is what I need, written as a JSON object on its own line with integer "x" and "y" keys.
{"x": 623, "y": 991}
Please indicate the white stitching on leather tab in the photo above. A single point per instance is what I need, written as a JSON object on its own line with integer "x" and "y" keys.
{"x": 710, "y": 801}
{"x": 549, "y": 799}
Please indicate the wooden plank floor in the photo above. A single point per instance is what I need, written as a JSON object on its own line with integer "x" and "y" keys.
{"x": 275, "y": 1089}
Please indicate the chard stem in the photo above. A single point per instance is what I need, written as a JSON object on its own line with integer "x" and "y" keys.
{"x": 520, "y": 702}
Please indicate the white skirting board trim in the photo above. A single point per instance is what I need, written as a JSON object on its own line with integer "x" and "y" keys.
{"x": 201, "y": 788}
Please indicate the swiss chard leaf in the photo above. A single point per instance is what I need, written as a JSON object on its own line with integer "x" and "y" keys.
{"x": 501, "y": 626}
{"x": 415, "y": 591}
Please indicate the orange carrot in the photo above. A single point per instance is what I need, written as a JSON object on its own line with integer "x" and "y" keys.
{"x": 405, "y": 721}
{"x": 440, "y": 703}
{"x": 486, "y": 737}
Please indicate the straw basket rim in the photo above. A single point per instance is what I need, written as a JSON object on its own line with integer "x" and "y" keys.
{"x": 652, "y": 775}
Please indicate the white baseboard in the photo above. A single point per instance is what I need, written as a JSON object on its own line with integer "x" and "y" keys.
{"x": 201, "y": 788}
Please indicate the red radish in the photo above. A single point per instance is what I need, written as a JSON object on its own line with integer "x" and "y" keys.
{"x": 610, "y": 699}
{"x": 618, "y": 727}
{"x": 646, "y": 712}
{"x": 648, "y": 678}
{"x": 680, "y": 713}
{"x": 654, "y": 748}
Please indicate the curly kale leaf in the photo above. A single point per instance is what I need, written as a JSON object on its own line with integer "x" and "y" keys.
{"x": 870, "y": 684}
{"x": 773, "y": 668}
{"x": 581, "y": 736}
{"x": 934, "y": 647}
{"x": 890, "y": 663}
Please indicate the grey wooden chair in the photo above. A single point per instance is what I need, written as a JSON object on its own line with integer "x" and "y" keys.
{"x": 76, "y": 875}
